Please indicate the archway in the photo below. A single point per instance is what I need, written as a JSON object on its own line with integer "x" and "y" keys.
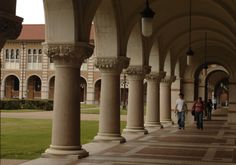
{"x": 97, "y": 92}
{"x": 34, "y": 87}
{"x": 83, "y": 89}
{"x": 51, "y": 88}
{"x": 12, "y": 84}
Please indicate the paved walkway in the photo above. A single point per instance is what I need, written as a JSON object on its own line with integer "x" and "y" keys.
{"x": 214, "y": 145}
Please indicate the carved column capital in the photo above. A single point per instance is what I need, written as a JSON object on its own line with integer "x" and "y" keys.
{"x": 68, "y": 53}
{"x": 111, "y": 63}
{"x": 10, "y": 26}
{"x": 155, "y": 76}
{"x": 137, "y": 72}
{"x": 168, "y": 79}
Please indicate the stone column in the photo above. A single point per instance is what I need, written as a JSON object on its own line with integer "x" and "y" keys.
{"x": 109, "y": 117}
{"x": 175, "y": 90}
{"x": 66, "y": 111}
{"x": 232, "y": 102}
{"x": 135, "y": 115}
{"x": 165, "y": 99}
{"x": 153, "y": 102}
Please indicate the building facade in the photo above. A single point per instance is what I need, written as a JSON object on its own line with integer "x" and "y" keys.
{"x": 27, "y": 72}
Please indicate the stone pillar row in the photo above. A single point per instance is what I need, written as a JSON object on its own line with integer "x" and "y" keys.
{"x": 68, "y": 58}
{"x": 109, "y": 116}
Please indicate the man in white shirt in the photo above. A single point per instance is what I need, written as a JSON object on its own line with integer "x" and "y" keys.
{"x": 180, "y": 108}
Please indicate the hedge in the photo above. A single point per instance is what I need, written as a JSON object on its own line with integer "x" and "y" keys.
{"x": 26, "y": 104}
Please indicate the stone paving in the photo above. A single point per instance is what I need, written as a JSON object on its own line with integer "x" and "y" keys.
{"x": 216, "y": 144}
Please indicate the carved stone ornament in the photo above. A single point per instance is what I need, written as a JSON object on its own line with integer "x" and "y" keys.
{"x": 168, "y": 79}
{"x": 138, "y": 70}
{"x": 10, "y": 25}
{"x": 111, "y": 63}
{"x": 156, "y": 76}
{"x": 74, "y": 53}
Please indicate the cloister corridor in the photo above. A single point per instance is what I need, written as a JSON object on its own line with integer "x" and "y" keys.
{"x": 215, "y": 145}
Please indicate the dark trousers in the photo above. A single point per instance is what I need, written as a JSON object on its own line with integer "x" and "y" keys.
{"x": 199, "y": 119}
{"x": 181, "y": 118}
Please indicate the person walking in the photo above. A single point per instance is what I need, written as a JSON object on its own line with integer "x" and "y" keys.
{"x": 209, "y": 109}
{"x": 180, "y": 109}
{"x": 198, "y": 108}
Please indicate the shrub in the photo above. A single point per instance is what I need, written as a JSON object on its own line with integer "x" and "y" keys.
{"x": 26, "y": 104}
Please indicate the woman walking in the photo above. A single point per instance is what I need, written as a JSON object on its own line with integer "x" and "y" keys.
{"x": 198, "y": 108}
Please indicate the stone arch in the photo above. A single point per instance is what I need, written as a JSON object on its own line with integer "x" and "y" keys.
{"x": 106, "y": 30}
{"x": 83, "y": 89}
{"x": 97, "y": 91}
{"x": 12, "y": 86}
{"x": 154, "y": 59}
{"x": 167, "y": 64}
{"x": 135, "y": 48}
{"x": 34, "y": 85}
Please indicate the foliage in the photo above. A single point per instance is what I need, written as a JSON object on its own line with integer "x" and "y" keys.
{"x": 26, "y": 104}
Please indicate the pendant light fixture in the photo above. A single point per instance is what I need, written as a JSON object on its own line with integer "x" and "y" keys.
{"x": 205, "y": 67}
{"x": 190, "y": 52}
{"x": 147, "y": 18}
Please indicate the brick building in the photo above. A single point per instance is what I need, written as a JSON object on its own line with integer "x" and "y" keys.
{"x": 26, "y": 72}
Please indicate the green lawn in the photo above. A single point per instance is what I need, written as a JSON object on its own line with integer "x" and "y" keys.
{"x": 27, "y": 138}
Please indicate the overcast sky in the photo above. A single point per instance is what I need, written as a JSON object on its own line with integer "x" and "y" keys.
{"x": 31, "y": 11}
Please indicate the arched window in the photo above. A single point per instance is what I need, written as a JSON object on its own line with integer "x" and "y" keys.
{"x": 17, "y": 54}
{"x": 12, "y": 54}
{"x": 35, "y": 59}
{"x": 7, "y": 55}
{"x": 12, "y": 58}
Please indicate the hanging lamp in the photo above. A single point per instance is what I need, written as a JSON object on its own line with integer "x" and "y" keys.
{"x": 147, "y": 18}
{"x": 190, "y": 52}
{"x": 205, "y": 66}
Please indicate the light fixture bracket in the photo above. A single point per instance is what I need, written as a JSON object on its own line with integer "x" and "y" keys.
{"x": 147, "y": 11}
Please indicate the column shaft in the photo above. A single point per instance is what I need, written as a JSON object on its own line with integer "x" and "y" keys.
{"x": 135, "y": 115}
{"x": 109, "y": 117}
{"x": 165, "y": 99}
{"x": 232, "y": 103}
{"x": 66, "y": 111}
{"x": 153, "y": 102}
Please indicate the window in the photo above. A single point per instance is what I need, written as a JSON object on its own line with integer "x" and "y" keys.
{"x": 17, "y": 54}
{"x": 35, "y": 58}
{"x": 12, "y": 57}
{"x": 7, "y": 55}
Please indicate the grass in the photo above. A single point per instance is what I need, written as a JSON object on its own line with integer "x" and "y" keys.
{"x": 28, "y": 138}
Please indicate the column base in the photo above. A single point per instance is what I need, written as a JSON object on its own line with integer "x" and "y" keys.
{"x": 136, "y": 130}
{"x": 153, "y": 124}
{"x": 167, "y": 122}
{"x": 101, "y": 137}
{"x": 71, "y": 152}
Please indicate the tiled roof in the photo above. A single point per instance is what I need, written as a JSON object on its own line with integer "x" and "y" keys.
{"x": 32, "y": 32}
{"x": 37, "y": 32}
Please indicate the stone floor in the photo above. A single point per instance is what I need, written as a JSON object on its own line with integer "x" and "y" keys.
{"x": 215, "y": 144}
